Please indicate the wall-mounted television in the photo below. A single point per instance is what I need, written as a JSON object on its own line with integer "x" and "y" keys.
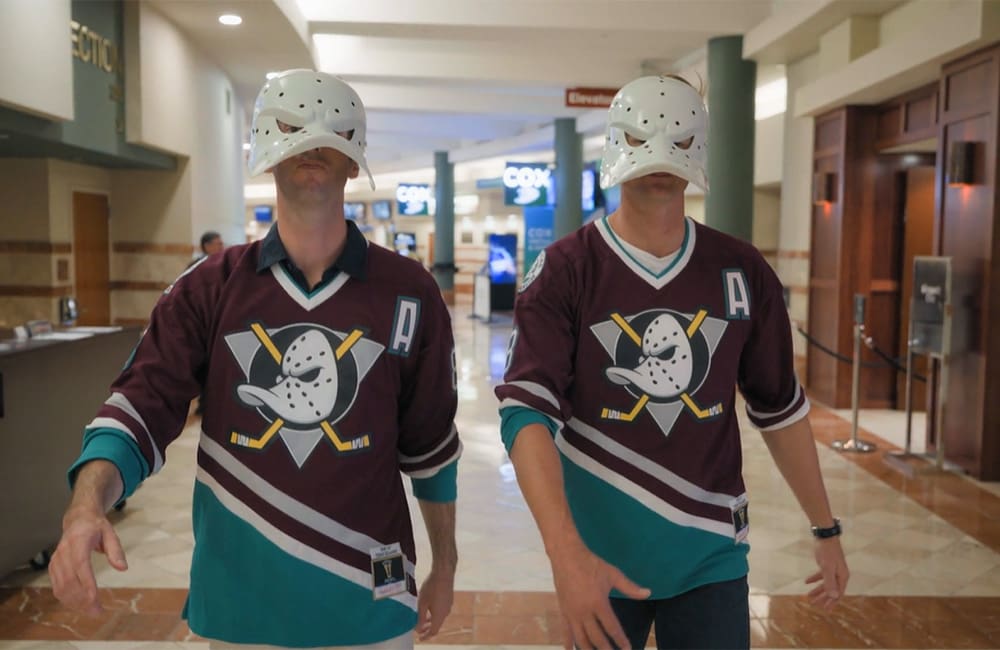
{"x": 263, "y": 213}
{"x": 354, "y": 211}
{"x": 382, "y": 209}
{"x": 405, "y": 242}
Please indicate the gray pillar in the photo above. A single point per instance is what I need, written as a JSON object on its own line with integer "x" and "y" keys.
{"x": 444, "y": 225}
{"x": 732, "y": 82}
{"x": 569, "y": 177}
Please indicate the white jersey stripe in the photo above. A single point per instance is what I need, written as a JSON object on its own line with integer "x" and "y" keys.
{"x": 537, "y": 390}
{"x": 291, "y": 507}
{"x": 643, "y": 464}
{"x": 640, "y": 494}
{"x": 292, "y": 546}
{"x": 307, "y": 302}
{"x": 118, "y": 400}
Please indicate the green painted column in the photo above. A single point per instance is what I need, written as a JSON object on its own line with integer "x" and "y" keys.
{"x": 569, "y": 177}
{"x": 732, "y": 82}
{"x": 444, "y": 225}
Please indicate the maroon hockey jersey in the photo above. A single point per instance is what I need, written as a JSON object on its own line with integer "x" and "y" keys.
{"x": 314, "y": 404}
{"x": 638, "y": 371}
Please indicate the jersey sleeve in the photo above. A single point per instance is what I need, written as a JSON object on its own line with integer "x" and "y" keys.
{"x": 540, "y": 351}
{"x": 429, "y": 445}
{"x": 767, "y": 380}
{"x": 149, "y": 400}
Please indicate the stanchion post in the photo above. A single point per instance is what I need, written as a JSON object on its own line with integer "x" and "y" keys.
{"x": 859, "y": 324}
{"x": 908, "y": 449}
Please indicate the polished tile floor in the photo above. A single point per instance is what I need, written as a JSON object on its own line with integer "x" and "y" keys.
{"x": 924, "y": 552}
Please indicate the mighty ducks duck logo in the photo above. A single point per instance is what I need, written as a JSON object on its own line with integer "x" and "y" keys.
{"x": 302, "y": 379}
{"x": 664, "y": 366}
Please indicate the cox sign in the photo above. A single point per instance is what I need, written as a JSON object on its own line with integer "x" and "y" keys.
{"x": 526, "y": 184}
{"x": 412, "y": 200}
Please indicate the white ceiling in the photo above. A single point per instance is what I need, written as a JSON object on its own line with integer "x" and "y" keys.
{"x": 461, "y": 75}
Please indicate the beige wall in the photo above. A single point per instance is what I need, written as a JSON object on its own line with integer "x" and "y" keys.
{"x": 36, "y": 38}
{"x": 766, "y": 222}
{"x": 178, "y": 103}
{"x": 24, "y": 199}
{"x": 795, "y": 222}
{"x": 65, "y": 178}
{"x": 768, "y": 152}
{"x": 186, "y": 107}
{"x": 24, "y": 221}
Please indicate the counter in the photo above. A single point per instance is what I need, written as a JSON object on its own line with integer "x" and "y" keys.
{"x": 50, "y": 388}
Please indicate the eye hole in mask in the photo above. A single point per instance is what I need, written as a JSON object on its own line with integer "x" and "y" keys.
{"x": 633, "y": 141}
{"x": 287, "y": 128}
{"x": 685, "y": 144}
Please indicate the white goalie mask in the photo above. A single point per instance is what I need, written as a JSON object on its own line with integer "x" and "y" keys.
{"x": 670, "y": 119}
{"x": 316, "y": 110}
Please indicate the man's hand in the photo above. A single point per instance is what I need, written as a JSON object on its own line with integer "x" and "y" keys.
{"x": 71, "y": 571}
{"x": 833, "y": 573}
{"x": 583, "y": 582}
{"x": 434, "y": 602}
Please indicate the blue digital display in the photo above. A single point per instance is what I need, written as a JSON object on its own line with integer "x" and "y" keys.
{"x": 382, "y": 209}
{"x": 503, "y": 259}
{"x": 354, "y": 211}
{"x": 263, "y": 213}
{"x": 405, "y": 242}
{"x": 412, "y": 199}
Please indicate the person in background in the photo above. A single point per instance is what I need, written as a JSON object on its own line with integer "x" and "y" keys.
{"x": 328, "y": 368}
{"x": 211, "y": 243}
{"x": 618, "y": 406}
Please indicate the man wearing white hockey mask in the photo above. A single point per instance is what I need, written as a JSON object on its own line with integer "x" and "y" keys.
{"x": 327, "y": 367}
{"x": 618, "y": 405}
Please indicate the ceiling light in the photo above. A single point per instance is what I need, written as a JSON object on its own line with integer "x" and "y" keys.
{"x": 230, "y": 19}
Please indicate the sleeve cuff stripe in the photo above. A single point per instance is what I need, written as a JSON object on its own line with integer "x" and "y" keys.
{"x": 760, "y": 415}
{"x": 431, "y": 471}
{"x": 537, "y": 390}
{"x": 792, "y": 419}
{"x": 511, "y": 402}
{"x": 444, "y": 444}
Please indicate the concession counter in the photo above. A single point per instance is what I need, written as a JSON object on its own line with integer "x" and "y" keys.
{"x": 51, "y": 386}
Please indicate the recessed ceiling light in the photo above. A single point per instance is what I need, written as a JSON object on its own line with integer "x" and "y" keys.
{"x": 230, "y": 19}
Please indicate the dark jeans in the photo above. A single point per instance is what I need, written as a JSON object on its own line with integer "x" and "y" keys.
{"x": 712, "y": 616}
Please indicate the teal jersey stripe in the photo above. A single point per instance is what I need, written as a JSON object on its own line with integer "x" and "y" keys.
{"x": 118, "y": 448}
{"x": 440, "y": 488}
{"x": 515, "y": 418}
{"x": 653, "y": 552}
{"x": 244, "y": 589}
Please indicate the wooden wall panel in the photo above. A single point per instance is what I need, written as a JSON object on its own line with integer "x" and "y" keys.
{"x": 921, "y": 114}
{"x": 907, "y": 118}
{"x": 970, "y": 89}
{"x": 890, "y": 123}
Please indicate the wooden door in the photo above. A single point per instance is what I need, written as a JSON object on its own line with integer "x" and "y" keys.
{"x": 918, "y": 239}
{"x": 91, "y": 258}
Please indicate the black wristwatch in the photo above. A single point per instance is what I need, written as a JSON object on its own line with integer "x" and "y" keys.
{"x": 825, "y": 533}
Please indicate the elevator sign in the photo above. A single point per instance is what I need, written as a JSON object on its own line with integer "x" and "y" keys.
{"x": 412, "y": 200}
{"x": 590, "y": 97}
{"x": 527, "y": 184}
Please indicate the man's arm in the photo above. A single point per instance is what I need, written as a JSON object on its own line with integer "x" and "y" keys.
{"x": 86, "y": 529}
{"x": 794, "y": 452}
{"x": 583, "y": 580}
{"x": 437, "y": 594}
